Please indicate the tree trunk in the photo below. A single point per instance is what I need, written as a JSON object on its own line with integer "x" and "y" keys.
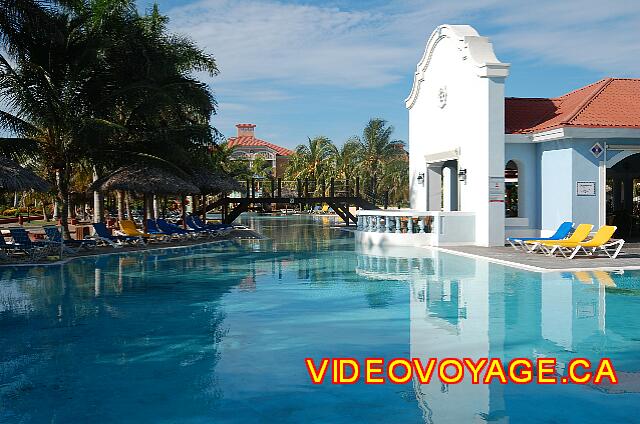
{"x": 127, "y": 205}
{"x": 183, "y": 199}
{"x": 156, "y": 208}
{"x": 144, "y": 213}
{"x": 97, "y": 200}
{"x": 70, "y": 206}
{"x": 120, "y": 204}
{"x": 62, "y": 186}
{"x": 195, "y": 205}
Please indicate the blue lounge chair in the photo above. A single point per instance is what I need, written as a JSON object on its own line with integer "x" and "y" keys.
{"x": 34, "y": 250}
{"x": 5, "y": 248}
{"x": 562, "y": 232}
{"x": 152, "y": 228}
{"x": 102, "y": 234}
{"x": 55, "y": 236}
{"x": 173, "y": 229}
{"x": 218, "y": 227}
{"x": 197, "y": 228}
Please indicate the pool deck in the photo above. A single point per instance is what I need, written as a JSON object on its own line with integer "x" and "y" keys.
{"x": 628, "y": 259}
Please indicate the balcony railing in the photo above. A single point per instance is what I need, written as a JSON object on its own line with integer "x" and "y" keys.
{"x": 398, "y": 222}
{"x": 393, "y": 227}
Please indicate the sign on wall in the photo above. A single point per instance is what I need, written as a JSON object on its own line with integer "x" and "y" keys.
{"x": 496, "y": 189}
{"x": 597, "y": 150}
{"x": 586, "y": 188}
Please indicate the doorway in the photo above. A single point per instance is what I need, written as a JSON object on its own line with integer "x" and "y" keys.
{"x": 623, "y": 195}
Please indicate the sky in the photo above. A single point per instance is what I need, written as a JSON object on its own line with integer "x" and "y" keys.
{"x": 301, "y": 69}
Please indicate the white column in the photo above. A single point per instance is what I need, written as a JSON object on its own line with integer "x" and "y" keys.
{"x": 446, "y": 189}
{"x": 434, "y": 187}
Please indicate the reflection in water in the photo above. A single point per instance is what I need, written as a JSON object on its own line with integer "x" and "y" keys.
{"x": 78, "y": 330}
{"x": 462, "y": 307}
{"x": 167, "y": 335}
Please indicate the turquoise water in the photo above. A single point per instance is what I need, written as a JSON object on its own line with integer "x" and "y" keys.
{"x": 219, "y": 333}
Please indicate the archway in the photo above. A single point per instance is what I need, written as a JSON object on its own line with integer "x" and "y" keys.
{"x": 511, "y": 189}
{"x": 623, "y": 196}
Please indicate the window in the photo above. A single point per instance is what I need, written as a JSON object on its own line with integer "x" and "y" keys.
{"x": 511, "y": 190}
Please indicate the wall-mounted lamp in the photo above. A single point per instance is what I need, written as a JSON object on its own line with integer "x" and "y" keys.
{"x": 421, "y": 178}
{"x": 462, "y": 175}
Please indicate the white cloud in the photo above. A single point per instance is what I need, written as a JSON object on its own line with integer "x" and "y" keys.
{"x": 273, "y": 51}
{"x": 589, "y": 34}
{"x": 232, "y": 107}
{"x": 269, "y": 40}
{"x": 273, "y": 40}
{"x": 258, "y": 94}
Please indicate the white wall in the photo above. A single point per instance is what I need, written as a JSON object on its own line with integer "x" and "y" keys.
{"x": 462, "y": 64}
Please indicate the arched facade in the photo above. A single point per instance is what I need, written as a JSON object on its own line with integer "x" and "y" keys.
{"x": 567, "y": 150}
{"x": 456, "y": 117}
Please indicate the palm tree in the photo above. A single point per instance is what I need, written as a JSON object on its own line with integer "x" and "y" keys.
{"x": 376, "y": 149}
{"x": 395, "y": 180}
{"x": 346, "y": 160}
{"x": 45, "y": 82}
{"x": 97, "y": 82}
{"x": 261, "y": 168}
{"x": 222, "y": 159}
{"x": 312, "y": 161}
{"x": 162, "y": 109}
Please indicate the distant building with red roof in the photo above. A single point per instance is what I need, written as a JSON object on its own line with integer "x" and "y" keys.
{"x": 247, "y": 147}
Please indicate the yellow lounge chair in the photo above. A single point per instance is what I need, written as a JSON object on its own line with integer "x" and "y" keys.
{"x": 129, "y": 228}
{"x": 601, "y": 240}
{"x": 548, "y": 246}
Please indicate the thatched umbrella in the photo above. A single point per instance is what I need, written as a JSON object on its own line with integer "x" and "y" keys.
{"x": 143, "y": 179}
{"x": 13, "y": 177}
{"x": 210, "y": 182}
{"x": 146, "y": 180}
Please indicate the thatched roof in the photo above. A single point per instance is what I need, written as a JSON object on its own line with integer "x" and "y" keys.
{"x": 144, "y": 179}
{"x": 13, "y": 177}
{"x": 209, "y": 181}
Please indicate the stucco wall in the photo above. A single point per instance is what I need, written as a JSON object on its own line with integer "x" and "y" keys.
{"x": 555, "y": 184}
{"x": 470, "y": 119}
{"x": 585, "y": 168}
{"x": 563, "y": 164}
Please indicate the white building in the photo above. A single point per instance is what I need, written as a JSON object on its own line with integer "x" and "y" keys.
{"x": 557, "y": 153}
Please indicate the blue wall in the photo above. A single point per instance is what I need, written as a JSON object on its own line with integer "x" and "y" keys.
{"x": 528, "y": 176}
{"x": 548, "y": 173}
{"x": 586, "y": 168}
{"x": 556, "y": 183}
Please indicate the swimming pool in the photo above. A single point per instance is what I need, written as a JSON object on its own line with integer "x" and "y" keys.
{"x": 219, "y": 333}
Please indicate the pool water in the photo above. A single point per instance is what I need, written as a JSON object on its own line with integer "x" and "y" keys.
{"x": 219, "y": 333}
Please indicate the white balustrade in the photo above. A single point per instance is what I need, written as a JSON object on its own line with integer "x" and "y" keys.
{"x": 404, "y": 227}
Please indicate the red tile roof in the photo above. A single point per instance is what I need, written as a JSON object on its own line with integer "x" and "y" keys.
{"x": 608, "y": 103}
{"x": 248, "y": 141}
